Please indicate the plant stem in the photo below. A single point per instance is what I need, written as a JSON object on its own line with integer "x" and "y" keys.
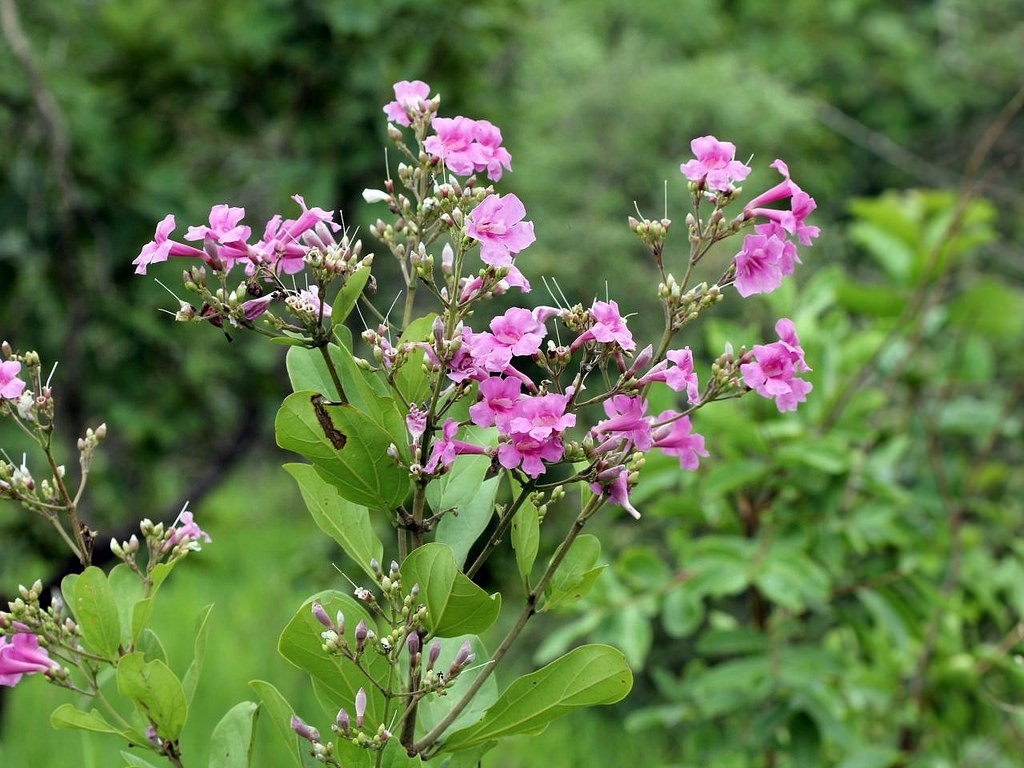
{"x": 529, "y": 609}
{"x": 333, "y": 371}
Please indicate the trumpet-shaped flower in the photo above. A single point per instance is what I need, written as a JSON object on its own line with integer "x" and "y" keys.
{"x": 715, "y": 165}
{"x": 10, "y": 385}
{"x": 21, "y": 654}
{"x": 497, "y": 223}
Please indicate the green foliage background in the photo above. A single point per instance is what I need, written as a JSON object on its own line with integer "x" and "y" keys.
{"x": 840, "y": 588}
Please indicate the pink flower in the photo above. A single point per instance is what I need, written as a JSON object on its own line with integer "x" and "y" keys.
{"x": 609, "y": 327}
{"x": 531, "y": 452}
{"x": 444, "y": 451}
{"x": 467, "y": 146}
{"x": 454, "y": 144}
{"x": 614, "y": 483}
{"x": 759, "y": 264}
{"x": 788, "y": 258}
{"x": 542, "y": 416}
{"x": 498, "y": 398}
{"x": 410, "y": 101}
{"x": 20, "y": 655}
{"x": 772, "y": 373}
{"x": 160, "y": 247}
{"x": 280, "y": 247}
{"x": 674, "y": 436}
{"x": 715, "y": 165}
{"x": 186, "y": 530}
{"x": 497, "y": 223}
{"x": 519, "y": 331}
{"x": 10, "y": 385}
{"x": 801, "y": 206}
{"x": 416, "y": 423}
{"x": 679, "y": 377}
{"x": 626, "y": 421}
{"x": 225, "y": 234}
{"x": 489, "y": 155}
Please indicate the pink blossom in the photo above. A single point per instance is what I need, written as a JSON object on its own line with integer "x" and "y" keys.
{"x": 279, "y": 246}
{"x": 225, "y": 234}
{"x": 497, "y": 223}
{"x": 772, "y": 372}
{"x": 674, "y": 436}
{"x": 792, "y": 220}
{"x": 186, "y": 530}
{"x": 518, "y": 330}
{"x": 453, "y": 143}
{"x": 609, "y": 327}
{"x": 410, "y": 101}
{"x": 467, "y": 146}
{"x": 542, "y": 416}
{"x": 626, "y": 421}
{"x": 788, "y": 258}
{"x": 614, "y": 483}
{"x": 759, "y": 264}
{"x": 489, "y": 155}
{"x": 678, "y": 377}
{"x": 10, "y": 385}
{"x": 530, "y": 452}
{"x": 498, "y": 398}
{"x": 160, "y": 247}
{"x": 21, "y": 655}
{"x": 715, "y": 165}
{"x": 444, "y": 451}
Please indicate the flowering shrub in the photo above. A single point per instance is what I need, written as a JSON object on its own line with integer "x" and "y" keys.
{"x": 445, "y": 416}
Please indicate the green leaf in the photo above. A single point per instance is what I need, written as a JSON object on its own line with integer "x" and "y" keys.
{"x": 150, "y": 646}
{"x": 308, "y": 371}
{"x": 455, "y": 605}
{"x": 348, "y": 296}
{"x": 67, "y": 589}
{"x": 134, "y": 761}
{"x": 576, "y": 574}
{"x": 191, "y": 679}
{"x": 97, "y": 612}
{"x": 279, "y": 712}
{"x": 337, "y": 678}
{"x": 348, "y": 448}
{"x": 466, "y": 496}
{"x": 347, "y": 523}
{"x": 232, "y": 740}
{"x": 411, "y": 380}
{"x": 585, "y": 677}
{"x": 155, "y": 689}
{"x": 68, "y": 716}
{"x": 128, "y": 590}
{"x": 682, "y": 612}
{"x": 525, "y": 535}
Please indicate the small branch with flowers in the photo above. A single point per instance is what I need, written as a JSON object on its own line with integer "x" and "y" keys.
{"x": 463, "y": 429}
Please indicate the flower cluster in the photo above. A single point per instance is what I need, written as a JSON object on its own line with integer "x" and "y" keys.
{"x": 465, "y": 146}
{"x": 772, "y": 369}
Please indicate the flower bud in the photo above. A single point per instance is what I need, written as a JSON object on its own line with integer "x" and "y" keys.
{"x": 360, "y": 706}
{"x": 304, "y": 731}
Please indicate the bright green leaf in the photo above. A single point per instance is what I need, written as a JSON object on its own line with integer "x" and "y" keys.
{"x": 347, "y": 298}
{"x": 344, "y": 521}
{"x": 232, "y": 740}
{"x": 455, "y": 605}
{"x": 191, "y": 679}
{"x": 462, "y": 526}
{"x": 155, "y": 689}
{"x": 585, "y": 677}
{"x": 96, "y": 610}
{"x": 347, "y": 447}
{"x": 279, "y": 712}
